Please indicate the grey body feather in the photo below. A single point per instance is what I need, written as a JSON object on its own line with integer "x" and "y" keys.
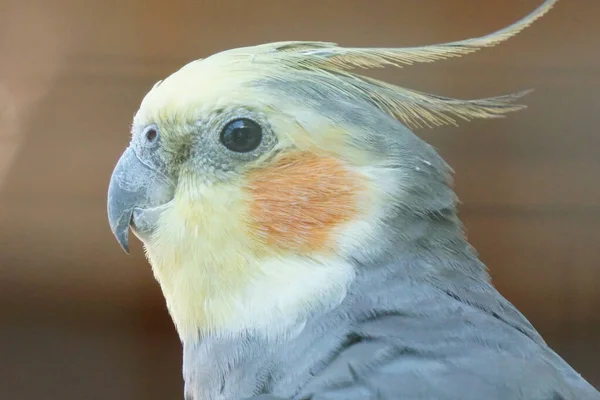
{"x": 395, "y": 338}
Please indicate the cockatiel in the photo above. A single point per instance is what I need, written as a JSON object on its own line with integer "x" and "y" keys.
{"x": 307, "y": 242}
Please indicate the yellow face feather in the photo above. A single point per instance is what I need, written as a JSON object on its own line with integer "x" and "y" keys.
{"x": 262, "y": 247}
{"x": 242, "y": 255}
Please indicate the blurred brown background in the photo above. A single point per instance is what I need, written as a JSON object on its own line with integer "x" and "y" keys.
{"x": 81, "y": 320}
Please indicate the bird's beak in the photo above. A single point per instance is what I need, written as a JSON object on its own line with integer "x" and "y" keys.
{"x": 136, "y": 195}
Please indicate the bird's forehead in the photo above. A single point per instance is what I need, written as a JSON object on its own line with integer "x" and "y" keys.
{"x": 197, "y": 89}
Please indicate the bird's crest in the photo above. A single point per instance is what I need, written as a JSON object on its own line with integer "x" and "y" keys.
{"x": 414, "y": 108}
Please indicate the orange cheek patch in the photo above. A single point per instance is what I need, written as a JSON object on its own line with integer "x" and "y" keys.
{"x": 298, "y": 199}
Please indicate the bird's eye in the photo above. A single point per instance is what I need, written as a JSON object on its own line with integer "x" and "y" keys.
{"x": 241, "y": 135}
{"x": 151, "y": 135}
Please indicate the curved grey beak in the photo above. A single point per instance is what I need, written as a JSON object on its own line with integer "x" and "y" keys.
{"x": 134, "y": 186}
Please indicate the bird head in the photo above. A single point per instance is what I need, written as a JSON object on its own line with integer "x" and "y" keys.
{"x": 256, "y": 177}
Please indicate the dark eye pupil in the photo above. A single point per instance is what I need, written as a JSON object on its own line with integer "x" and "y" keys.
{"x": 241, "y": 135}
{"x": 151, "y": 135}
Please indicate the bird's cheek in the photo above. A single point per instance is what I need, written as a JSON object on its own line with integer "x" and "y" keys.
{"x": 297, "y": 201}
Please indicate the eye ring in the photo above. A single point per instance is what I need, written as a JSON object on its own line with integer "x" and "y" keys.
{"x": 241, "y": 135}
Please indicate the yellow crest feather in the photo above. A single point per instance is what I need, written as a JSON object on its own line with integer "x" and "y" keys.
{"x": 414, "y": 108}
{"x": 329, "y": 55}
